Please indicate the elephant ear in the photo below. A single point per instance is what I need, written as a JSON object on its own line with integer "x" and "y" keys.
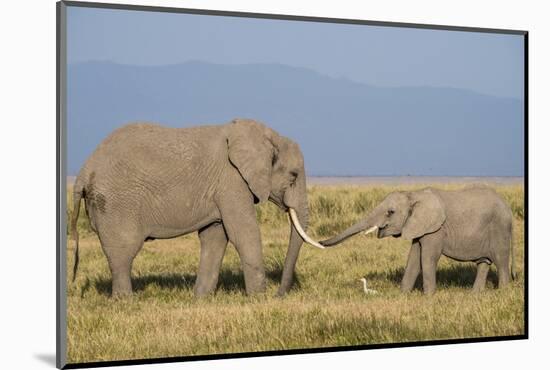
{"x": 251, "y": 151}
{"x": 426, "y": 214}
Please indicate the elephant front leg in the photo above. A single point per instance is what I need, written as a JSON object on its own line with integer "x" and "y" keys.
{"x": 213, "y": 244}
{"x": 412, "y": 269}
{"x": 430, "y": 254}
{"x": 239, "y": 221}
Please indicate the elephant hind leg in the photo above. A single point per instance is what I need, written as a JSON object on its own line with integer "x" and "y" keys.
{"x": 501, "y": 249}
{"x": 502, "y": 263}
{"x": 120, "y": 252}
{"x": 481, "y": 276}
{"x": 213, "y": 244}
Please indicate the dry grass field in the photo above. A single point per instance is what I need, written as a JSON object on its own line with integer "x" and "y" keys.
{"x": 326, "y": 308}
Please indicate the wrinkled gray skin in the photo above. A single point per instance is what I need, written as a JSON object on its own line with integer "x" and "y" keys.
{"x": 146, "y": 181}
{"x": 473, "y": 224}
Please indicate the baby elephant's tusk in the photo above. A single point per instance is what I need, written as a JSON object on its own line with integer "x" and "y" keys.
{"x": 372, "y": 229}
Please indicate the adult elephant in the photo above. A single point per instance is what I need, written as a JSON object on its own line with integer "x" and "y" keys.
{"x": 146, "y": 181}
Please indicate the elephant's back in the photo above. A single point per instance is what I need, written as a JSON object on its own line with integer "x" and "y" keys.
{"x": 147, "y": 162}
{"x": 135, "y": 138}
{"x": 487, "y": 198}
{"x": 151, "y": 146}
{"x": 476, "y": 207}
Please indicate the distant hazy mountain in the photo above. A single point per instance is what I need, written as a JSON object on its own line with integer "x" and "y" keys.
{"x": 343, "y": 127}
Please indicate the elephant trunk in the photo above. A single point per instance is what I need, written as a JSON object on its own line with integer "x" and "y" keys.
{"x": 294, "y": 247}
{"x": 349, "y": 232}
{"x": 299, "y": 217}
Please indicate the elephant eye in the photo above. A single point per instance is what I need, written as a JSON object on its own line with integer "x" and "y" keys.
{"x": 293, "y": 177}
{"x": 390, "y": 212}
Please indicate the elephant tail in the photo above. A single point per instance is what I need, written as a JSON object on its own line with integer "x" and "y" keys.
{"x": 78, "y": 194}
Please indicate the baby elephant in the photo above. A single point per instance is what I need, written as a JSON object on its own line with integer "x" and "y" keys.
{"x": 473, "y": 224}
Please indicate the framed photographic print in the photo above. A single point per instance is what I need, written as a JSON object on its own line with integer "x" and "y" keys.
{"x": 236, "y": 184}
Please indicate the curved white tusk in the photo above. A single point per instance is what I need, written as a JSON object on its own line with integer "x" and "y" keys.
{"x": 301, "y": 231}
{"x": 372, "y": 229}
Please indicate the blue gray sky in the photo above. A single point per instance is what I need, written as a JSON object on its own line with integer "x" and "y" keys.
{"x": 383, "y": 56}
{"x": 359, "y": 100}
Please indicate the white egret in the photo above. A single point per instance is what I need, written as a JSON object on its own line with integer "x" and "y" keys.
{"x": 365, "y": 289}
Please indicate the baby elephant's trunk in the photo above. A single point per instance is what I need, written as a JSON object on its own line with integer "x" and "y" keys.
{"x": 349, "y": 232}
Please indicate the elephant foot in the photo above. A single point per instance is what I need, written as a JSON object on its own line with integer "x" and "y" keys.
{"x": 202, "y": 292}
{"x": 122, "y": 287}
{"x": 205, "y": 285}
{"x": 256, "y": 288}
{"x": 281, "y": 293}
{"x": 406, "y": 290}
{"x": 478, "y": 289}
{"x": 254, "y": 280}
{"x": 406, "y": 287}
{"x": 121, "y": 294}
{"x": 255, "y": 291}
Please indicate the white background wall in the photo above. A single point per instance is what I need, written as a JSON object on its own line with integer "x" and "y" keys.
{"x": 27, "y": 202}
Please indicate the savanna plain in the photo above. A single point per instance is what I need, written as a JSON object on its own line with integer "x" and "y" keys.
{"x": 326, "y": 308}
